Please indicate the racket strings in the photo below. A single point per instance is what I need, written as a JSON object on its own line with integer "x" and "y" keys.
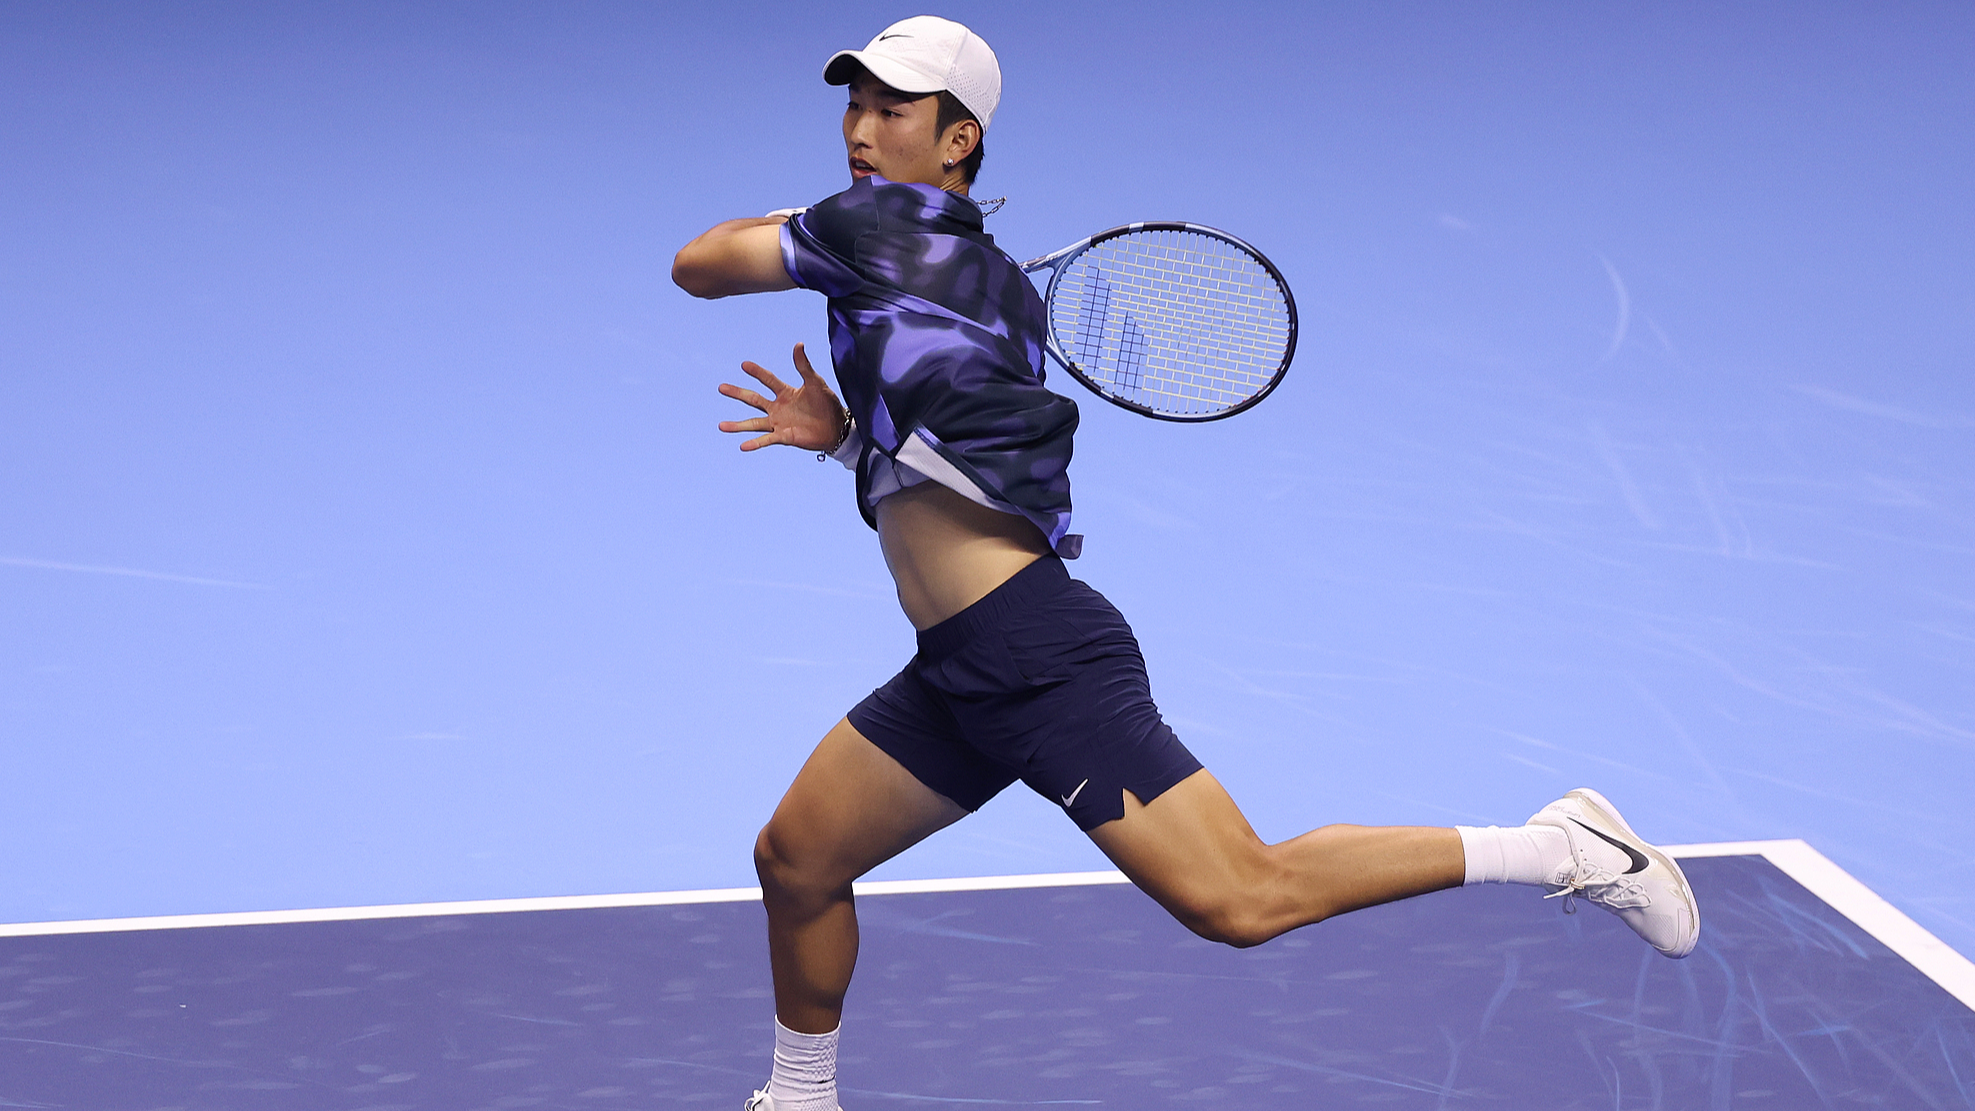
{"x": 1091, "y": 334}
{"x": 1177, "y": 321}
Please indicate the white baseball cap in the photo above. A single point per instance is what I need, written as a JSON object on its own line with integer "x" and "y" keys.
{"x": 927, "y": 54}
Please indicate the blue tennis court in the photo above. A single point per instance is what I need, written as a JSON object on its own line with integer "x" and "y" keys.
{"x": 382, "y": 619}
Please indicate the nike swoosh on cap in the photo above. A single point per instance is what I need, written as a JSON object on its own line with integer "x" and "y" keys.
{"x": 897, "y": 35}
{"x": 1639, "y": 861}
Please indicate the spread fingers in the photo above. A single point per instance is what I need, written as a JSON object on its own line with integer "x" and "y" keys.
{"x": 744, "y": 395}
{"x": 764, "y": 376}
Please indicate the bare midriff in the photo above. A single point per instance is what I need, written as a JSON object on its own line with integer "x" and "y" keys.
{"x": 946, "y": 552}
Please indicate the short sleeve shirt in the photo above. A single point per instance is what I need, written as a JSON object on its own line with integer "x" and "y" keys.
{"x": 937, "y": 339}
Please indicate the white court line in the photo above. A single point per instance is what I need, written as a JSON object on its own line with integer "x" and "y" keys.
{"x": 1845, "y": 894}
{"x": 550, "y": 902}
{"x": 1794, "y": 858}
{"x": 395, "y": 910}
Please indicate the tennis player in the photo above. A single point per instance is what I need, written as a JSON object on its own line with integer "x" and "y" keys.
{"x": 1022, "y": 672}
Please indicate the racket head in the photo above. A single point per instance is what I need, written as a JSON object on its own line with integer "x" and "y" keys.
{"x": 1172, "y": 320}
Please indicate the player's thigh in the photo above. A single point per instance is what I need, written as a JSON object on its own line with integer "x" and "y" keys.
{"x": 850, "y": 809}
{"x": 1191, "y": 848}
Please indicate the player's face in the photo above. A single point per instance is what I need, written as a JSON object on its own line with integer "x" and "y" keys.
{"x": 892, "y": 134}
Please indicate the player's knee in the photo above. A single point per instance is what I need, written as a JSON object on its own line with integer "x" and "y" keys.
{"x": 1239, "y": 929}
{"x": 1228, "y": 919}
{"x": 1252, "y": 905}
{"x": 785, "y": 876}
{"x": 777, "y": 872}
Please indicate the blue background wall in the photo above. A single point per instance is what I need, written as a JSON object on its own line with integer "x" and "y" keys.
{"x": 364, "y": 536}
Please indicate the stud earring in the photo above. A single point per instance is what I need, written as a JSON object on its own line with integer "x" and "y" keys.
{"x": 949, "y": 163}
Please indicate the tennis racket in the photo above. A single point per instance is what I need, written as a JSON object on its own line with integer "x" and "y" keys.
{"x": 1176, "y": 321}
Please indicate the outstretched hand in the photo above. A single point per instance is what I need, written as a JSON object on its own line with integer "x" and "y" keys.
{"x": 808, "y": 416}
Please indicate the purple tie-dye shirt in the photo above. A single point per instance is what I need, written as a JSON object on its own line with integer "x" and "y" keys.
{"x": 937, "y": 338}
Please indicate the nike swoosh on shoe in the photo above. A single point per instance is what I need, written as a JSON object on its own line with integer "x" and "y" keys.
{"x": 1639, "y": 861}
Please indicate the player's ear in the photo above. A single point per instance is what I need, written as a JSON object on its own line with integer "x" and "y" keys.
{"x": 961, "y": 139}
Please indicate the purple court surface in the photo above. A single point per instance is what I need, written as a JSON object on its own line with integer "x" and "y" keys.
{"x": 1070, "y": 990}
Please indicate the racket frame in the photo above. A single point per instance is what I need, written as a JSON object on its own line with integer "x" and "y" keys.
{"x": 1057, "y": 261}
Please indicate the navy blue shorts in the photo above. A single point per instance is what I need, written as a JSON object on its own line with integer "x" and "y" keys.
{"x": 1040, "y": 681}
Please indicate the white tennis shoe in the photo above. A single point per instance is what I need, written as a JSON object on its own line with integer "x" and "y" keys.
{"x": 762, "y": 1101}
{"x": 1651, "y": 893}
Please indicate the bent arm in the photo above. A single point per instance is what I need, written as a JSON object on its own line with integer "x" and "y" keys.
{"x": 739, "y": 256}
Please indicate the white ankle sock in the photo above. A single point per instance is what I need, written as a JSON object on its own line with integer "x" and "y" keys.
{"x": 805, "y": 1076}
{"x": 1518, "y": 854}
